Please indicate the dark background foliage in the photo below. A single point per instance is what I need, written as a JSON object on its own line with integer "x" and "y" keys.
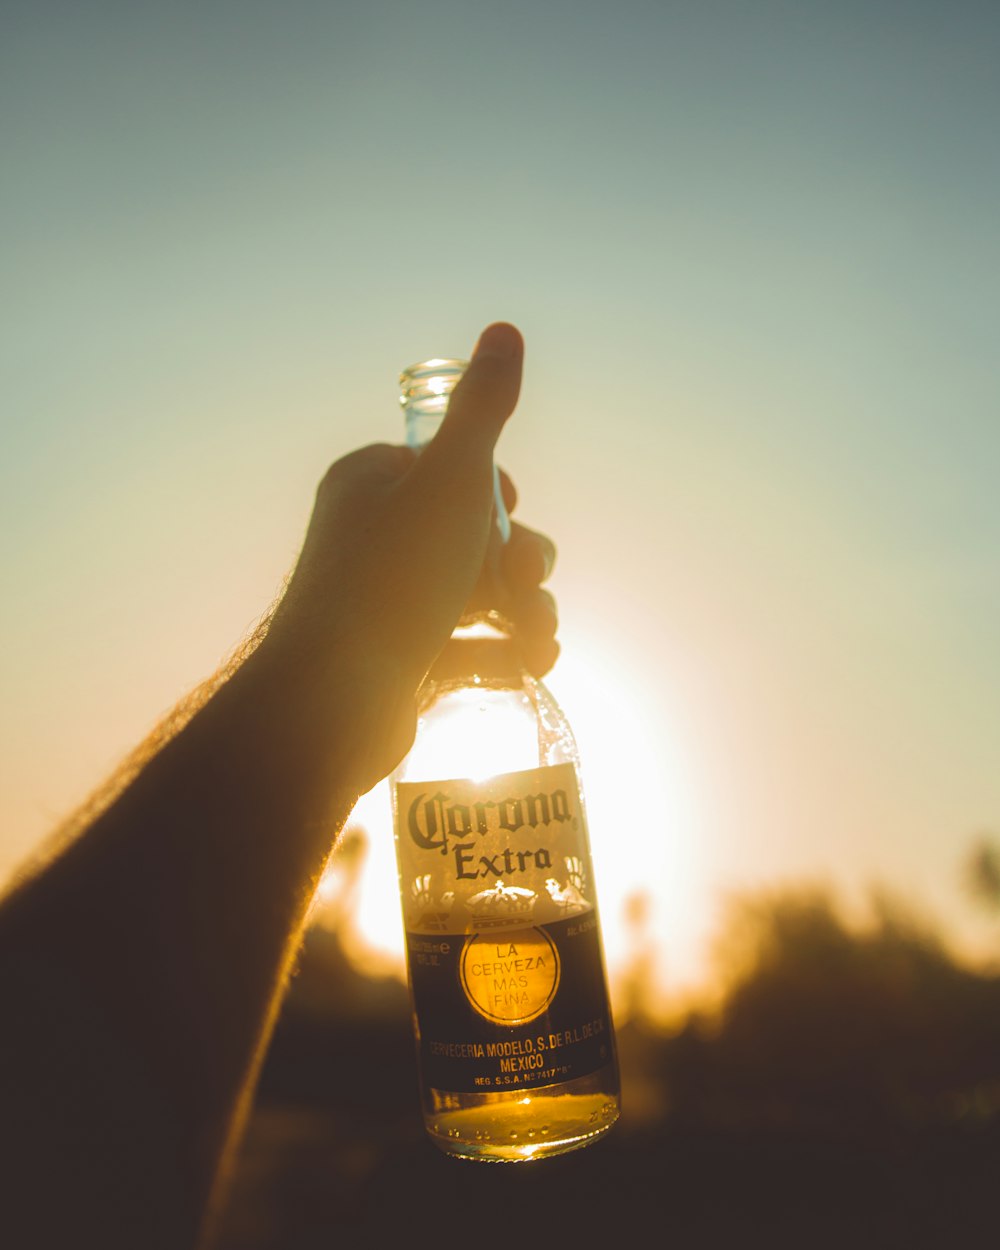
{"x": 844, "y": 1090}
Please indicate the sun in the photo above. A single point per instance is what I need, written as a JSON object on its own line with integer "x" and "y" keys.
{"x": 639, "y": 806}
{"x": 641, "y": 811}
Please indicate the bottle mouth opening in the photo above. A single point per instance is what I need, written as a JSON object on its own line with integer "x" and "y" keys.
{"x": 424, "y": 387}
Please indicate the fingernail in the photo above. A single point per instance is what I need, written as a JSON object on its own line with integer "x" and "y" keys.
{"x": 501, "y": 340}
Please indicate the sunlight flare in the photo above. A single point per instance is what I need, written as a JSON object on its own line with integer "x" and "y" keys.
{"x": 639, "y": 806}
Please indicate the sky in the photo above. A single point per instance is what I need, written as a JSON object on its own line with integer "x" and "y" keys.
{"x": 754, "y": 253}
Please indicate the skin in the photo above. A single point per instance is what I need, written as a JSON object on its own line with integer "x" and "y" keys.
{"x": 142, "y": 966}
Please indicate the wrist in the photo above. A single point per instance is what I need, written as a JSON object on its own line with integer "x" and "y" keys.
{"x": 343, "y": 711}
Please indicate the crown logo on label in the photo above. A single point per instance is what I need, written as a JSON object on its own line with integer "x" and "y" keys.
{"x": 571, "y": 897}
{"x": 501, "y": 904}
{"x": 434, "y": 912}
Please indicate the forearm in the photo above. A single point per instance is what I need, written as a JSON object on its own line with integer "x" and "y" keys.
{"x": 175, "y": 917}
{"x": 142, "y": 967}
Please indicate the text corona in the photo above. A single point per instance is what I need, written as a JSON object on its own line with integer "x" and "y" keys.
{"x": 432, "y": 822}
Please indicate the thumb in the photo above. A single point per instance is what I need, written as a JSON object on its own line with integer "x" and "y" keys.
{"x": 485, "y": 396}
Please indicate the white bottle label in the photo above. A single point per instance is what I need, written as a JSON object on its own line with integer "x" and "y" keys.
{"x": 475, "y": 855}
{"x": 502, "y": 938}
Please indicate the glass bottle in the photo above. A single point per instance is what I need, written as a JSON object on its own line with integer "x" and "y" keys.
{"x": 515, "y": 1039}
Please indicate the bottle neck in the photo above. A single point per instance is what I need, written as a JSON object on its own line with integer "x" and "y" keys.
{"x": 424, "y": 392}
{"x": 482, "y": 652}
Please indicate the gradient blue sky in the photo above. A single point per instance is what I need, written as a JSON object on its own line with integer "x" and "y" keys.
{"x": 755, "y": 256}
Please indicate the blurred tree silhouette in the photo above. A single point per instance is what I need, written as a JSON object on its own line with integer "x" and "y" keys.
{"x": 983, "y": 874}
{"x": 845, "y": 1088}
{"x": 828, "y": 1024}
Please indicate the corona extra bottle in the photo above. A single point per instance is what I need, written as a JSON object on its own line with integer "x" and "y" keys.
{"x": 515, "y": 1039}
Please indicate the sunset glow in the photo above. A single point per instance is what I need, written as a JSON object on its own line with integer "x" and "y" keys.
{"x": 757, "y": 418}
{"x": 727, "y": 279}
{"x": 639, "y": 807}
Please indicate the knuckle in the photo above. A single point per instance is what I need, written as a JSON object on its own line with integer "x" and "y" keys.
{"x": 374, "y": 461}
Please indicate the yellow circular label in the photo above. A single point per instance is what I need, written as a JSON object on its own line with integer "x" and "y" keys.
{"x": 512, "y": 976}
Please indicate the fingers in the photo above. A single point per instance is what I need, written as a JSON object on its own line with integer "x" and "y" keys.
{"x": 536, "y": 615}
{"x": 540, "y": 656}
{"x": 508, "y": 491}
{"x": 527, "y": 559}
{"x": 525, "y": 562}
{"x": 485, "y": 396}
{"x": 450, "y": 487}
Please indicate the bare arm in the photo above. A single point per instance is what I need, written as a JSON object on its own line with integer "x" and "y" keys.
{"x": 142, "y": 969}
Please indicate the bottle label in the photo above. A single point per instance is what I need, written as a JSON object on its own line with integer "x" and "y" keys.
{"x": 503, "y": 942}
{"x": 508, "y": 1009}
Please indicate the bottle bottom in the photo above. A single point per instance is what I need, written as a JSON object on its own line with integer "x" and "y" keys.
{"x": 522, "y": 1125}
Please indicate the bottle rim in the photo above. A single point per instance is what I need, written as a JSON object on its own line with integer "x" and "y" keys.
{"x": 428, "y": 383}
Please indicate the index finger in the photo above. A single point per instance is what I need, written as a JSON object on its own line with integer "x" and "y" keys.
{"x": 508, "y": 490}
{"x": 527, "y": 558}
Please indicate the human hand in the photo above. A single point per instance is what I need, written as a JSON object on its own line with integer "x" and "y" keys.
{"x": 396, "y": 547}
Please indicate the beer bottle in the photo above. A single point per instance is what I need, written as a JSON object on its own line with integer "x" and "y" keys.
{"x": 515, "y": 1040}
